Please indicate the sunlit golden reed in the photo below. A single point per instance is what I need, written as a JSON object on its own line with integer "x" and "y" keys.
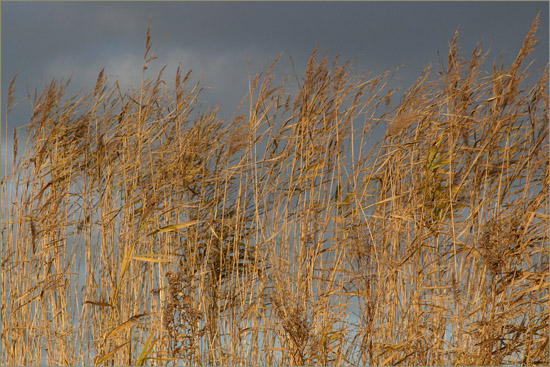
{"x": 139, "y": 228}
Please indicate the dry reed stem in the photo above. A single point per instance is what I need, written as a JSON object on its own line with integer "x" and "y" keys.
{"x": 139, "y": 228}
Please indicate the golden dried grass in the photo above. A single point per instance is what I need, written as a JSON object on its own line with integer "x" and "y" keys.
{"x": 137, "y": 229}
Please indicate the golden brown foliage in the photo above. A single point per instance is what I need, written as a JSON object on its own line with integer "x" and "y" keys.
{"x": 138, "y": 229}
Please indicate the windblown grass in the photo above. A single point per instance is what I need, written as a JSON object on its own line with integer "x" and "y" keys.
{"x": 140, "y": 228}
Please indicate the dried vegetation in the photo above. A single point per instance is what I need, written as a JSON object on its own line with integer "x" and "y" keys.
{"x": 139, "y": 228}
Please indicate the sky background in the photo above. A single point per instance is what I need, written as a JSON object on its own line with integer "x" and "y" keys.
{"x": 221, "y": 40}
{"x": 45, "y": 40}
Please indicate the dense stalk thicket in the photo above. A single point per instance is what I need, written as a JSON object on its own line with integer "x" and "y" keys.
{"x": 138, "y": 228}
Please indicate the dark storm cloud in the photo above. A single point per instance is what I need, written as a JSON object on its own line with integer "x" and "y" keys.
{"x": 380, "y": 35}
{"x": 41, "y": 40}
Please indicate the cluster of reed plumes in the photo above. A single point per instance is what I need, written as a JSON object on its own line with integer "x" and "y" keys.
{"x": 139, "y": 228}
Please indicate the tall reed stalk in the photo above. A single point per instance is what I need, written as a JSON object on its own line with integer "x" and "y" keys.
{"x": 139, "y": 228}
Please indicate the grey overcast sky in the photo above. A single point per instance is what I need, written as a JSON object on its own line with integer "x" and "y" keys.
{"x": 42, "y": 40}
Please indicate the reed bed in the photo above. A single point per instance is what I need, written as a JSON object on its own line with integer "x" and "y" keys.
{"x": 139, "y": 228}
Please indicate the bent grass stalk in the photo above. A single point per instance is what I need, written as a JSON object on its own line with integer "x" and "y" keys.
{"x": 140, "y": 228}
